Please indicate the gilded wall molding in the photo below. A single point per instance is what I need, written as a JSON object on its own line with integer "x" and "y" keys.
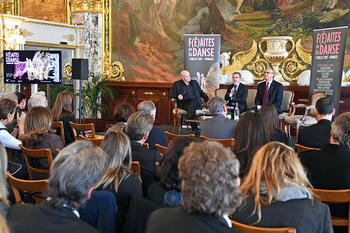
{"x": 90, "y": 6}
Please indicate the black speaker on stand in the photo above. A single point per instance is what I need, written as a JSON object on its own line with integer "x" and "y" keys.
{"x": 80, "y": 71}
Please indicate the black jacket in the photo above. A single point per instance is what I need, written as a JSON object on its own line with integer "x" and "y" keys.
{"x": 239, "y": 97}
{"x": 317, "y": 135}
{"x": 275, "y": 94}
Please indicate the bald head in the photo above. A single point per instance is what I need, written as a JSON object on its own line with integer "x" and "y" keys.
{"x": 185, "y": 76}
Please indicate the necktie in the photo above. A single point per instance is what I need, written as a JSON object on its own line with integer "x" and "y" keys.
{"x": 266, "y": 94}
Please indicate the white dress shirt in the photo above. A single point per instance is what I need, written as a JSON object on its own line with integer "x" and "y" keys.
{"x": 8, "y": 140}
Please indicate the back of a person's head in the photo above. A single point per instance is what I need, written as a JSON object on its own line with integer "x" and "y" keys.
{"x": 123, "y": 112}
{"x": 273, "y": 167}
{"x": 147, "y": 106}
{"x": 209, "y": 174}
{"x": 37, "y": 99}
{"x": 138, "y": 125}
{"x": 269, "y": 116}
{"x": 169, "y": 172}
{"x": 20, "y": 97}
{"x": 216, "y": 105}
{"x": 3, "y": 173}
{"x": 6, "y": 107}
{"x": 325, "y": 106}
{"x": 341, "y": 129}
{"x": 75, "y": 170}
{"x": 62, "y": 106}
{"x": 11, "y": 96}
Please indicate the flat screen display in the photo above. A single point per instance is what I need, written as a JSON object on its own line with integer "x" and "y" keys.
{"x": 29, "y": 66}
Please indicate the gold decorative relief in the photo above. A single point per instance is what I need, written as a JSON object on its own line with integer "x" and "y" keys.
{"x": 258, "y": 66}
{"x": 25, "y": 33}
{"x": 6, "y": 7}
{"x": 91, "y": 6}
{"x": 69, "y": 37}
{"x": 115, "y": 71}
{"x": 304, "y": 54}
{"x": 67, "y": 71}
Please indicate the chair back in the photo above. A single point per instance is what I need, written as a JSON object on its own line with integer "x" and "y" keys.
{"x": 335, "y": 196}
{"x": 314, "y": 97}
{"x": 225, "y": 142}
{"x": 96, "y": 141}
{"x": 220, "y": 93}
{"x": 251, "y": 98}
{"x": 59, "y": 125}
{"x": 33, "y": 187}
{"x": 161, "y": 149}
{"x": 135, "y": 167}
{"x": 301, "y": 148}
{"x": 287, "y": 101}
{"x": 29, "y": 154}
{"x": 253, "y": 229}
{"x": 172, "y": 136}
{"x": 87, "y": 130}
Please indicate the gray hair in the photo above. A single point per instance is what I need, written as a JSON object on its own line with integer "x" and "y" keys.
{"x": 3, "y": 173}
{"x": 341, "y": 129}
{"x": 76, "y": 169}
{"x": 37, "y": 99}
{"x": 216, "y": 105}
{"x": 10, "y": 96}
{"x": 138, "y": 124}
{"x": 147, "y": 106}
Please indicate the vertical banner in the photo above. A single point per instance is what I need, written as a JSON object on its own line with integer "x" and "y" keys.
{"x": 327, "y": 62}
{"x": 202, "y": 52}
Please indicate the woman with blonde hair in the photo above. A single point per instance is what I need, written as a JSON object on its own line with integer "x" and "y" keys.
{"x": 62, "y": 110}
{"x": 276, "y": 193}
{"x": 118, "y": 178}
{"x": 4, "y": 204}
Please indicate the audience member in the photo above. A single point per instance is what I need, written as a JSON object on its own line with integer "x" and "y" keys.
{"x": 318, "y": 135}
{"x": 4, "y": 204}
{"x": 167, "y": 192}
{"x": 62, "y": 110}
{"x": 21, "y": 100}
{"x": 3, "y": 225}
{"x": 210, "y": 189}
{"x": 73, "y": 175}
{"x": 121, "y": 114}
{"x": 12, "y": 127}
{"x": 237, "y": 93}
{"x": 271, "y": 121}
{"x": 118, "y": 178}
{"x": 249, "y": 136}
{"x": 218, "y": 126}
{"x": 188, "y": 94}
{"x": 37, "y": 99}
{"x": 276, "y": 193}
{"x": 137, "y": 128}
{"x": 269, "y": 91}
{"x": 38, "y": 134}
{"x": 157, "y": 135}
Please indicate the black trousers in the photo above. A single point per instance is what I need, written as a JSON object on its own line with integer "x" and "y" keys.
{"x": 190, "y": 107}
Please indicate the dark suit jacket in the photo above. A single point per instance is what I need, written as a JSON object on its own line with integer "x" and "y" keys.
{"x": 218, "y": 127}
{"x": 28, "y": 218}
{"x": 156, "y": 136}
{"x": 275, "y": 95}
{"x": 317, "y": 135}
{"x": 177, "y": 89}
{"x": 305, "y": 215}
{"x": 68, "y": 132}
{"x": 240, "y": 97}
{"x": 147, "y": 159}
{"x": 174, "y": 220}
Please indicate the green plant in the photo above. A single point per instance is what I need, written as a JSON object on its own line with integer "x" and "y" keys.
{"x": 91, "y": 92}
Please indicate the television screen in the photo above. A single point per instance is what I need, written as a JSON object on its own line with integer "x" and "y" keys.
{"x": 27, "y": 66}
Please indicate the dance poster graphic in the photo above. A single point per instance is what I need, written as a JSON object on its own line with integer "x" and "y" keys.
{"x": 327, "y": 62}
{"x": 202, "y": 53}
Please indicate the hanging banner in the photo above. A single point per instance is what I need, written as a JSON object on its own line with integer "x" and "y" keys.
{"x": 202, "y": 53}
{"x": 327, "y": 62}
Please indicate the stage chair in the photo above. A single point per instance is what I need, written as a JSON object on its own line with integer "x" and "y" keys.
{"x": 335, "y": 196}
{"x": 59, "y": 125}
{"x": 225, "y": 142}
{"x": 287, "y": 109}
{"x": 87, "y": 130}
{"x": 301, "y": 148}
{"x": 171, "y": 136}
{"x": 253, "y": 229}
{"x": 220, "y": 93}
{"x": 33, "y": 187}
{"x": 135, "y": 167}
{"x": 161, "y": 149}
{"x": 251, "y": 99}
{"x": 178, "y": 114}
{"x": 96, "y": 141}
{"x": 36, "y": 154}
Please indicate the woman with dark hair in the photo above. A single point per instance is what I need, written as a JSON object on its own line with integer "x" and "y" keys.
{"x": 276, "y": 193}
{"x": 269, "y": 116}
{"x": 249, "y": 136}
{"x": 167, "y": 192}
{"x": 62, "y": 110}
{"x": 121, "y": 114}
{"x": 21, "y": 100}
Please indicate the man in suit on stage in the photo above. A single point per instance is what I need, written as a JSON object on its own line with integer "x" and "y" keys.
{"x": 188, "y": 94}
{"x": 318, "y": 135}
{"x": 269, "y": 91}
{"x": 237, "y": 93}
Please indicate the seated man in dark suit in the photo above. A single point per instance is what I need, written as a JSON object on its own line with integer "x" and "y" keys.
{"x": 137, "y": 128}
{"x": 188, "y": 94}
{"x": 329, "y": 168}
{"x": 318, "y": 135}
{"x": 73, "y": 175}
{"x": 203, "y": 168}
{"x": 237, "y": 93}
{"x": 269, "y": 91}
{"x": 218, "y": 126}
{"x": 157, "y": 135}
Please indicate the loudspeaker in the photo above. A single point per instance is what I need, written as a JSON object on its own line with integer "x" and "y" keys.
{"x": 80, "y": 68}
